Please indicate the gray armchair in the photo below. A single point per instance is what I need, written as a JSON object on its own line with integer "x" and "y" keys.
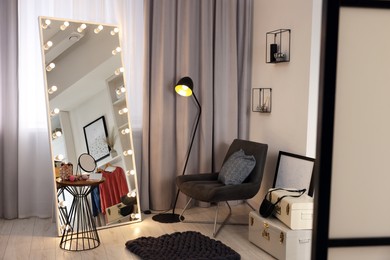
{"x": 207, "y": 188}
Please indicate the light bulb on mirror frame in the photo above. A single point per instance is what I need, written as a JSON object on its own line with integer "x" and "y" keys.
{"x": 120, "y": 90}
{"x": 56, "y": 134}
{"x": 55, "y": 111}
{"x": 123, "y": 111}
{"x": 98, "y": 29}
{"x": 64, "y": 26}
{"x": 125, "y": 131}
{"x": 135, "y": 216}
{"x": 114, "y": 31}
{"x": 47, "y": 45}
{"x": 119, "y": 71}
{"x": 59, "y": 157}
{"x": 116, "y": 50}
{"x": 81, "y": 28}
{"x": 46, "y": 24}
{"x": 52, "y": 89}
{"x": 132, "y": 194}
{"x": 50, "y": 67}
{"x": 128, "y": 152}
{"x": 130, "y": 173}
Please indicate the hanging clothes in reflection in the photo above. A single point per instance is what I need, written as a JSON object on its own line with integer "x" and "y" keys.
{"x": 95, "y": 201}
{"x": 110, "y": 191}
{"x": 113, "y": 188}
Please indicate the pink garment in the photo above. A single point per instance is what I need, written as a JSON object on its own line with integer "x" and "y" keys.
{"x": 113, "y": 188}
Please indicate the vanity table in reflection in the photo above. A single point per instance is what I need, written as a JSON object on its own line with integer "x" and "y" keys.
{"x": 80, "y": 232}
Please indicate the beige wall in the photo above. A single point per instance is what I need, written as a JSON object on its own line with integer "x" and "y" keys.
{"x": 286, "y": 127}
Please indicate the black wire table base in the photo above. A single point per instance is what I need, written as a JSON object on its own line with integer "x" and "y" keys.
{"x": 79, "y": 232}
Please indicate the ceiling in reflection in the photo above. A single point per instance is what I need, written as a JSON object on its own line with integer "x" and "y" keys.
{"x": 80, "y": 53}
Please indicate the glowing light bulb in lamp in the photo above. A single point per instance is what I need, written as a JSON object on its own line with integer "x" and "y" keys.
{"x": 183, "y": 91}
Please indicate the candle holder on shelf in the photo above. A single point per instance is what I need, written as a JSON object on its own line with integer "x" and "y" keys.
{"x": 278, "y": 46}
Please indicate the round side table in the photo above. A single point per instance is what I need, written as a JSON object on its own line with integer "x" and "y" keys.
{"x": 80, "y": 231}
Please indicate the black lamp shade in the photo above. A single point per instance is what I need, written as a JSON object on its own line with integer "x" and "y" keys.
{"x": 184, "y": 87}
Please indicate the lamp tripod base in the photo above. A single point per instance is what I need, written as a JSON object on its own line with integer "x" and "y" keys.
{"x": 168, "y": 218}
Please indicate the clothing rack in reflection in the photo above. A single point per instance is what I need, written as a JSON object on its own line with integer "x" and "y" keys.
{"x": 108, "y": 167}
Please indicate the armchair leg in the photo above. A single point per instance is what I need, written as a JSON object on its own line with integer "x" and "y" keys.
{"x": 216, "y": 231}
{"x": 181, "y": 217}
{"x": 247, "y": 203}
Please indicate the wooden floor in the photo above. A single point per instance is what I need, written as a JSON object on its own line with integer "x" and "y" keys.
{"x": 36, "y": 238}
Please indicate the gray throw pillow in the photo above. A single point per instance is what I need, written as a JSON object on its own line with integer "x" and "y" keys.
{"x": 236, "y": 168}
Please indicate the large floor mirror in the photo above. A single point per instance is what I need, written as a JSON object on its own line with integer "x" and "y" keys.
{"x": 88, "y": 114}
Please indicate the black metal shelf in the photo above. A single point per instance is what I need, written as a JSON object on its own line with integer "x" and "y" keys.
{"x": 278, "y": 46}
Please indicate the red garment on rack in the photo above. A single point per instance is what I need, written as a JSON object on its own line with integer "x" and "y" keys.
{"x": 113, "y": 188}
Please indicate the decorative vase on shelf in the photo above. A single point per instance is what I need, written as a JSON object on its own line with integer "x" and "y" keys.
{"x": 113, "y": 153}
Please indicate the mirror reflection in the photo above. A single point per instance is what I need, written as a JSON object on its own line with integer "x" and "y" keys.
{"x": 88, "y": 114}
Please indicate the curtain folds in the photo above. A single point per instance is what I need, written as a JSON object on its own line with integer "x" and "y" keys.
{"x": 210, "y": 41}
{"x": 9, "y": 110}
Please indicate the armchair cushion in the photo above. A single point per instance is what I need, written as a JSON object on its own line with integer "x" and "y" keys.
{"x": 237, "y": 168}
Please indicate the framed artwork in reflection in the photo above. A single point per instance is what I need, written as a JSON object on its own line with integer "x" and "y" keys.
{"x": 96, "y": 139}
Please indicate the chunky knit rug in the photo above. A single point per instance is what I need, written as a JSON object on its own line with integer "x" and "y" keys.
{"x": 181, "y": 245}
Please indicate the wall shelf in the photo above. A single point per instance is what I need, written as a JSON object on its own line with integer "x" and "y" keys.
{"x": 278, "y": 46}
{"x": 262, "y": 100}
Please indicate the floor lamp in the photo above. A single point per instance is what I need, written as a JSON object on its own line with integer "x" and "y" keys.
{"x": 184, "y": 87}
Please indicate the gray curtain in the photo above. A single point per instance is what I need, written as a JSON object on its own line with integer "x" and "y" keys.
{"x": 9, "y": 109}
{"x": 210, "y": 41}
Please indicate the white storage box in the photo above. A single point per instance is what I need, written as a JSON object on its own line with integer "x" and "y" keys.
{"x": 296, "y": 213}
{"x": 113, "y": 214}
{"x": 275, "y": 238}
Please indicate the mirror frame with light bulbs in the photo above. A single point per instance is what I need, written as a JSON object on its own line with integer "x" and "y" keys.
{"x": 114, "y": 93}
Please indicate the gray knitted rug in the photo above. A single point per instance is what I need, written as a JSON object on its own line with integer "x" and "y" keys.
{"x": 181, "y": 245}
